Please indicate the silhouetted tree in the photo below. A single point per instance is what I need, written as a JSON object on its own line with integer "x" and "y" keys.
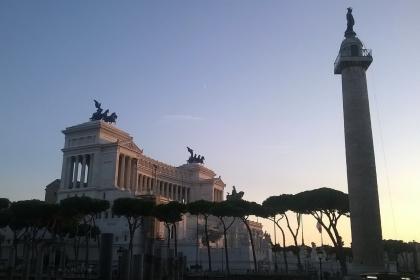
{"x": 226, "y": 214}
{"x": 19, "y": 229}
{"x": 274, "y": 210}
{"x": 395, "y": 248}
{"x": 4, "y": 218}
{"x": 243, "y": 210}
{"x": 170, "y": 214}
{"x": 4, "y": 203}
{"x": 62, "y": 227}
{"x": 289, "y": 204}
{"x": 203, "y": 208}
{"x": 327, "y": 206}
{"x": 35, "y": 215}
{"x": 85, "y": 209}
{"x": 134, "y": 210}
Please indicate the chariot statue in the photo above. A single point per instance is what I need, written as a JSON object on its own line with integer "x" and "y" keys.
{"x": 98, "y": 115}
{"x": 194, "y": 158}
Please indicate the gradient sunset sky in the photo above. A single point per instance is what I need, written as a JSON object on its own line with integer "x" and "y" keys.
{"x": 248, "y": 84}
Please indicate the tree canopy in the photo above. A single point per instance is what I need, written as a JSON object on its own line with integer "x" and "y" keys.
{"x": 200, "y": 207}
{"x": 83, "y": 206}
{"x": 322, "y": 199}
{"x": 170, "y": 212}
{"x": 132, "y": 207}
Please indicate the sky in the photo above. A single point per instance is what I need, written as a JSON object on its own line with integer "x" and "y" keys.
{"x": 248, "y": 84}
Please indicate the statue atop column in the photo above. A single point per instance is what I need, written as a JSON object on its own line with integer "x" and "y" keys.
{"x": 98, "y": 115}
{"x": 194, "y": 158}
{"x": 350, "y": 23}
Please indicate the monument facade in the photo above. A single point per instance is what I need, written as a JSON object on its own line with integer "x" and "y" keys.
{"x": 101, "y": 161}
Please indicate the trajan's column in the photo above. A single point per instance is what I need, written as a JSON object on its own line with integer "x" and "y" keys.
{"x": 352, "y": 62}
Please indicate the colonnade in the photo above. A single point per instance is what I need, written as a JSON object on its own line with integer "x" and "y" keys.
{"x": 165, "y": 189}
{"x": 127, "y": 172}
{"x": 78, "y": 171}
{"x": 128, "y": 178}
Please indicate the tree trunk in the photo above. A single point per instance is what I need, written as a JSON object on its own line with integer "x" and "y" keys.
{"x": 175, "y": 241}
{"x": 340, "y": 251}
{"x": 87, "y": 256}
{"x": 337, "y": 241}
{"x": 207, "y": 242}
{"x": 294, "y": 236}
{"x": 130, "y": 255}
{"x": 169, "y": 239}
{"x": 251, "y": 239}
{"x": 226, "y": 248}
{"x": 286, "y": 265}
{"x": 300, "y": 268}
{"x": 13, "y": 258}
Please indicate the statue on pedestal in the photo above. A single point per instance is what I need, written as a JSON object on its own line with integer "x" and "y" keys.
{"x": 235, "y": 195}
{"x": 350, "y": 23}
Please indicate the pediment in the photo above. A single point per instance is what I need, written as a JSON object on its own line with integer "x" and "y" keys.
{"x": 129, "y": 144}
{"x": 219, "y": 181}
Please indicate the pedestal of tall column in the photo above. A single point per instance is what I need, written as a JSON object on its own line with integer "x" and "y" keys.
{"x": 352, "y": 62}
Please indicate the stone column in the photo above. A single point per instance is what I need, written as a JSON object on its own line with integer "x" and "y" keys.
{"x": 82, "y": 175}
{"x": 127, "y": 173}
{"x": 141, "y": 185}
{"x": 165, "y": 189}
{"x": 135, "y": 176}
{"x": 64, "y": 171}
{"x": 68, "y": 175}
{"x": 138, "y": 183}
{"x": 352, "y": 63}
{"x": 75, "y": 172}
{"x": 90, "y": 170}
{"x": 183, "y": 194}
{"x": 151, "y": 185}
{"x": 173, "y": 192}
{"x": 122, "y": 173}
{"x": 71, "y": 174}
{"x": 157, "y": 191}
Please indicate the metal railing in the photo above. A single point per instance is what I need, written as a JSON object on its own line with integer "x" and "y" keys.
{"x": 348, "y": 53}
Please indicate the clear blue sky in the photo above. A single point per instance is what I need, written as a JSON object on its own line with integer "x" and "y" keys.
{"x": 249, "y": 84}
